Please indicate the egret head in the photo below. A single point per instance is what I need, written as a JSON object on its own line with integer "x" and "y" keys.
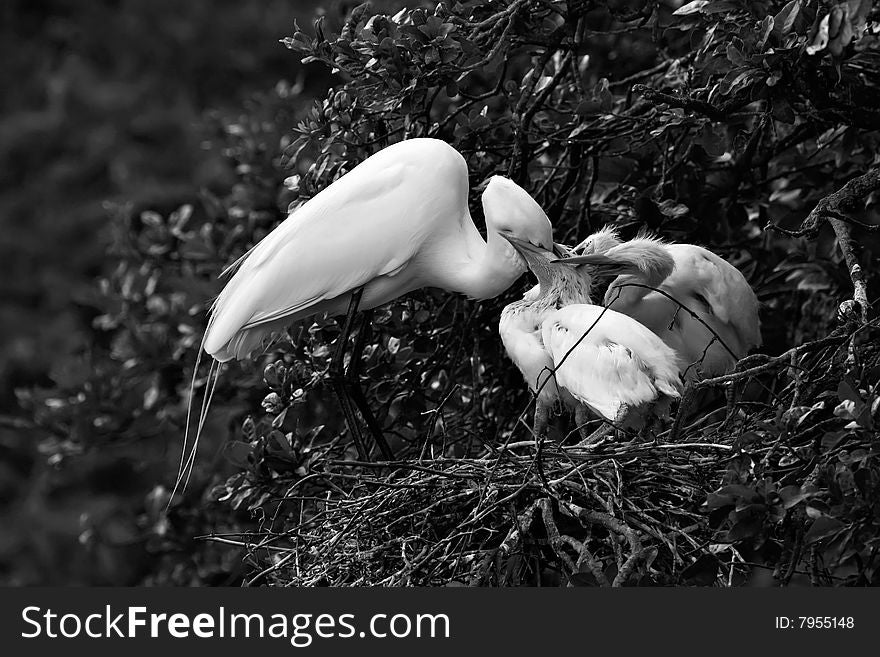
{"x": 561, "y": 284}
{"x": 644, "y": 257}
{"x": 599, "y": 242}
{"x": 511, "y": 211}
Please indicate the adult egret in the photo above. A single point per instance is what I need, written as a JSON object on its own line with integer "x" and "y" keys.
{"x": 397, "y": 222}
{"x": 585, "y": 356}
{"x": 719, "y": 322}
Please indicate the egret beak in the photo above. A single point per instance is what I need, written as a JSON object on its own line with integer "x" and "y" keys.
{"x": 583, "y": 246}
{"x": 528, "y": 250}
{"x": 562, "y": 251}
{"x": 602, "y": 264}
{"x": 537, "y": 259}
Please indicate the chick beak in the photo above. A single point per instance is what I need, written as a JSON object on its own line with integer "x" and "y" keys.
{"x": 561, "y": 251}
{"x": 601, "y": 264}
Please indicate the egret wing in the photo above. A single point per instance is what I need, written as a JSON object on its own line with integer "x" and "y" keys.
{"x": 369, "y": 223}
{"x": 523, "y": 343}
{"x": 618, "y": 362}
{"x": 726, "y": 291}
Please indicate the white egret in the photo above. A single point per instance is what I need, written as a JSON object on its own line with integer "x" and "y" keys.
{"x": 719, "y": 322}
{"x": 585, "y": 356}
{"x": 397, "y": 222}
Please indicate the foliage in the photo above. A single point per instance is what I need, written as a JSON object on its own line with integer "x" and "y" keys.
{"x": 718, "y": 122}
{"x": 102, "y": 106}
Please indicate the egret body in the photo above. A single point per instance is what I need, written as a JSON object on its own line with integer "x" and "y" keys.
{"x": 583, "y": 355}
{"x": 397, "y": 222}
{"x": 720, "y": 324}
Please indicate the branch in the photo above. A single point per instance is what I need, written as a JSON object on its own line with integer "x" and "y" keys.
{"x": 519, "y": 158}
{"x": 690, "y": 104}
{"x": 835, "y": 204}
{"x": 637, "y": 550}
{"x": 773, "y": 362}
{"x": 833, "y": 208}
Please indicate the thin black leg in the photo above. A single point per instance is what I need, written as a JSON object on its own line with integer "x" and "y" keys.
{"x": 338, "y": 380}
{"x": 352, "y": 377}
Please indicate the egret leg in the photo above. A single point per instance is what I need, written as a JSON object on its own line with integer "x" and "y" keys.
{"x": 353, "y": 387}
{"x": 581, "y": 418}
{"x": 542, "y": 419}
{"x": 338, "y": 380}
{"x": 684, "y": 406}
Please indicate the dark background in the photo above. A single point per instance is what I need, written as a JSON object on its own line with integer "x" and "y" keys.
{"x": 102, "y": 104}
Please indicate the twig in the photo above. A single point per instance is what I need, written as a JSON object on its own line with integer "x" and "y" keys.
{"x": 856, "y": 273}
{"x": 777, "y": 360}
{"x": 835, "y": 204}
{"x": 637, "y": 551}
{"x": 690, "y": 104}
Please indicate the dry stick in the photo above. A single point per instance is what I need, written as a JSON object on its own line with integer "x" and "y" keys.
{"x": 781, "y": 358}
{"x": 856, "y": 273}
{"x": 586, "y": 557}
{"x": 553, "y": 534}
{"x": 637, "y": 551}
{"x": 835, "y": 204}
{"x": 491, "y": 20}
{"x": 685, "y": 103}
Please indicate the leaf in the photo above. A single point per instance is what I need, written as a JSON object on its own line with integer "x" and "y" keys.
{"x": 858, "y": 14}
{"x": 766, "y": 30}
{"x": 713, "y": 139}
{"x": 744, "y": 529}
{"x": 820, "y": 41}
{"x": 672, "y": 209}
{"x": 585, "y": 578}
{"x": 832, "y": 440}
{"x": 783, "y": 22}
{"x": 738, "y": 491}
{"x": 845, "y": 390}
{"x": 840, "y": 31}
{"x": 792, "y": 495}
{"x": 734, "y": 56}
{"x": 715, "y": 501}
{"x": 782, "y": 110}
{"x": 690, "y": 8}
{"x": 720, "y": 7}
{"x": 822, "y": 528}
{"x": 846, "y": 410}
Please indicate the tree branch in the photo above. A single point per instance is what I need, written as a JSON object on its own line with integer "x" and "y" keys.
{"x": 690, "y": 104}
{"x": 833, "y": 209}
{"x": 835, "y": 204}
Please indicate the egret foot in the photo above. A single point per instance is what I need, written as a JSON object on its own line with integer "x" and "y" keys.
{"x": 607, "y": 428}
{"x": 595, "y": 437}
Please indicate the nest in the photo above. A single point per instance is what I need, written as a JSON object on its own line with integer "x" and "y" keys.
{"x": 672, "y": 507}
